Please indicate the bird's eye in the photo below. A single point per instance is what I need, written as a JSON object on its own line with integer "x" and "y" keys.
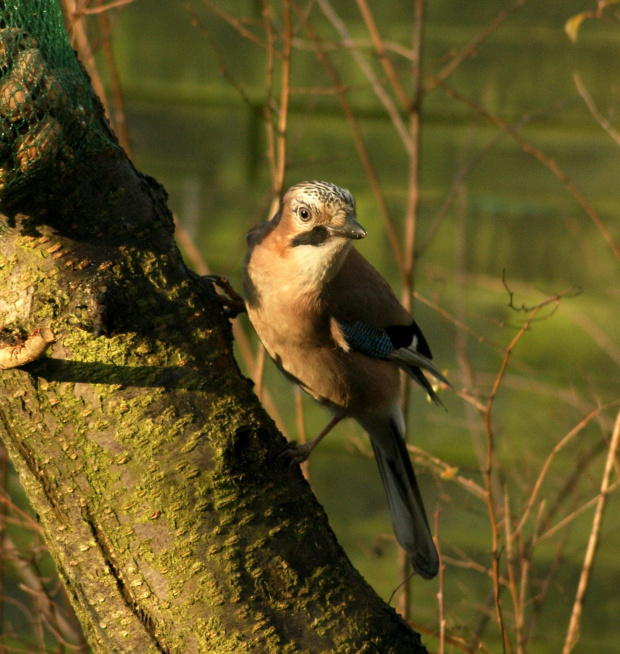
{"x": 304, "y": 214}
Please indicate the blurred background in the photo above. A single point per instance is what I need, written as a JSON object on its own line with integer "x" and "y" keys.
{"x": 479, "y": 140}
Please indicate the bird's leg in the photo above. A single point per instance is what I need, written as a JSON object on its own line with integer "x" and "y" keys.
{"x": 232, "y": 302}
{"x": 299, "y": 453}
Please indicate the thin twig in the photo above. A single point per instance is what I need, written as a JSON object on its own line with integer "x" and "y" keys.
{"x": 575, "y": 514}
{"x": 511, "y": 564}
{"x": 546, "y": 161}
{"x": 415, "y": 115}
{"x": 573, "y": 291}
{"x": 381, "y": 50}
{"x": 453, "y": 642}
{"x": 587, "y": 98}
{"x": 466, "y": 168}
{"x": 301, "y": 428}
{"x": 80, "y": 40}
{"x": 607, "y": 345}
{"x": 237, "y": 25}
{"x": 119, "y": 114}
{"x": 488, "y": 476}
{"x": 440, "y": 592}
{"x": 375, "y": 84}
{"x": 360, "y": 145}
{"x": 537, "y": 602}
{"x": 411, "y": 221}
{"x": 443, "y": 313}
{"x": 483, "y": 621}
{"x": 466, "y": 563}
{"x": 65, "y": 630}
{"x": 267, "y": 105}
{"x": 573, "y": 628}
{"x": 526, "y": 567}
{"x": 224, "y": 72}
{"x": 470, "y": 48}
{"x": 566, "y": 490}
{"x": 284, "y": 98}
{"x": 448, "y": 472}
{"x": 329, "y": 45}
{"x": 103, "y": 8}
{"x": 543, "y": 471}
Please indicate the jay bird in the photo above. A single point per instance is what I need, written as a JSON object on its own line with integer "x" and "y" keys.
{"x": 333, "y": 326}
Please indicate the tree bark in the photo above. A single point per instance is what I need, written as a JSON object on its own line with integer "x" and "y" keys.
{"x": 145, "y": 454}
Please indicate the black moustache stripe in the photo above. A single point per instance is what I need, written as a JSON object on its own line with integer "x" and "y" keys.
{"x": 315, "y": 236}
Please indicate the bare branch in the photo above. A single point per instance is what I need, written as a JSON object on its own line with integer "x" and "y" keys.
{"x": 284, "y": 97}
{"x": 488, "y": 477}
{"x": 103, "y": 8}
{"x": 224, "y": 72}
{"x": 380, "y": 48}
{"x": 569, "y": 292}
{"x": 548, "y": 162}
{"x": 559, "y": 446}
{"x": 376, "y": 85}
{"x": 573, "y": 628}
{"x": 360, "y": 145}
{"x": 470, "y": 48}
{"x": 237, "y": 25}
{"x": 467, "y": 167}
{"x": 575, "y": 514}
{"x": 603, "y": 122}
{"x": 448, "y": 472}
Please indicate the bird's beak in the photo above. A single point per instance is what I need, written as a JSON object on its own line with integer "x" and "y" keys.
{"x": 351, "y": 229}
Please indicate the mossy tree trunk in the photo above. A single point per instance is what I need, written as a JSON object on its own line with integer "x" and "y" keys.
{"x": 152, "y": 467}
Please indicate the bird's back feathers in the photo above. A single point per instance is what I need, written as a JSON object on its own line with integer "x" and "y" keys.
{"x": 359, "y": 292}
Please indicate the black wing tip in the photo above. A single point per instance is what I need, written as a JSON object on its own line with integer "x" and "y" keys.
{"x": 420, "y": 377}
{"x": 402, "y": 336}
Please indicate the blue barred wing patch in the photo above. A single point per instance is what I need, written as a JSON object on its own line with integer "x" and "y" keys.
{"x": 366, "y": 339}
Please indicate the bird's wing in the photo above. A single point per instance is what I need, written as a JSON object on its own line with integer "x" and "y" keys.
{"x": 371, "y": 320}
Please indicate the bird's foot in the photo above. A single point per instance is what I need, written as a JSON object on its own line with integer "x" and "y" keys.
{"x": 297, "y": 452}
{"x": 233, "y": 303}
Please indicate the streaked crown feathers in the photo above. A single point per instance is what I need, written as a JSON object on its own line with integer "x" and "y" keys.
{"x": 327, "y": 194}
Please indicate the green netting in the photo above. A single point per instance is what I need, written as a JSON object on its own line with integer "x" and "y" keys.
{"x": 45, "y": 104}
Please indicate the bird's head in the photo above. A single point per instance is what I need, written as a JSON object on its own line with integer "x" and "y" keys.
{"x": 317, "y": 214}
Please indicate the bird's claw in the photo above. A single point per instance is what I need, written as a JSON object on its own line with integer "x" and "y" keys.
{"x": 233, "y": 303}
{"x": 297, "y": 452}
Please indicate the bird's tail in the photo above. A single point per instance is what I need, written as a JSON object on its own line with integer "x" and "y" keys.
{"x": 403, "y": 494}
